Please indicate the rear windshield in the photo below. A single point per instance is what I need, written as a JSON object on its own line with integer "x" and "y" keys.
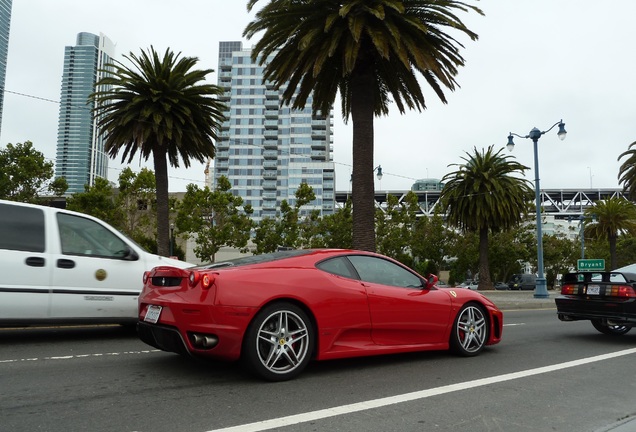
{"x": 256, "y": 259}
{"x": 598, "y": 277}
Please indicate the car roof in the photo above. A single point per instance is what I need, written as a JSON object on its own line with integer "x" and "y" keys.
{"x": 279, "y": 256}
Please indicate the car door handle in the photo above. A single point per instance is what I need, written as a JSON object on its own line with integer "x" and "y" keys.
{"x": 65, "y": 263}
{"x": 35, "y": 261}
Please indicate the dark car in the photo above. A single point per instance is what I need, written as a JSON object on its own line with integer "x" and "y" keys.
{"x": 502, "y": 286}
{"x": 523, "y": 282}
{"x": 276, "y": 312}
{"x": 606, "y": 299}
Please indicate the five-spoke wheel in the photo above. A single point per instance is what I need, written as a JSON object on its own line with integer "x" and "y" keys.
{"x": 279, "y": 342}
{"x": 470, "y": 331}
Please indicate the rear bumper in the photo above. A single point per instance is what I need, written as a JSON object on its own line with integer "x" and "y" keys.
{"x": 573, "y": 308}
{"x": 161, "y": 337}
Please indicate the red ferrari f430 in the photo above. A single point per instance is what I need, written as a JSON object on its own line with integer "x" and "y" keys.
{"x": 276, "y": 312}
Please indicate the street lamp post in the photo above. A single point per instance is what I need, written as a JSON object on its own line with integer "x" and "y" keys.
{"x": 541, "y": 290}
{"x": 581, "y": 220}
{"x": 171, "y": 239}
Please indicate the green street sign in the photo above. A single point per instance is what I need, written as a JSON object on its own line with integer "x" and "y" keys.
{"x": 590, "y": 264}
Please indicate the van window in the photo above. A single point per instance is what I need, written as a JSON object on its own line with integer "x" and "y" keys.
{"x": 81, "y": 236}
{"x": 21, "y": 228}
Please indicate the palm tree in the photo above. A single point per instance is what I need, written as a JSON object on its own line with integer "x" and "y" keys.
{"x": 159, "y": 107}
{"x": 608, "y": 219}
{"x": 368, "y": 50}
{"x": 485, "y": 195}
{"x": 627, "y": 171}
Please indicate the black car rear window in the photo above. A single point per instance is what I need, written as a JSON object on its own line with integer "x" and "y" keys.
{"x": 257, "y": 259}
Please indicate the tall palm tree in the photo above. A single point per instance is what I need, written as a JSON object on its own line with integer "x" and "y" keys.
{"x": 627, "y": 171}
{"x": 608, "y": 219}
{"x": 368, "y": 50}
{"x": 485, "y": 194}
{"x": 159, "y": 107}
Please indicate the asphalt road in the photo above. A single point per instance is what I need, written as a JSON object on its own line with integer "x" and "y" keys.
{"x": 545, "y": 376}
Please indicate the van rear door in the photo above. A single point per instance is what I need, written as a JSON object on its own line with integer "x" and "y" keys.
{"x": 25, "y": 268}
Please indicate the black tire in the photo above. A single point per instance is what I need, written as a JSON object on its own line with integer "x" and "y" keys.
{"x": 279, "y": 342}
{"x": 470, "y": 331}
{"x": 612, "y": 330}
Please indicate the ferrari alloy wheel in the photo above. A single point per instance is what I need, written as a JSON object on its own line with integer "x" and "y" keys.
{"x": 612, "y": 330}
{"x": 470, "y": 331}
{"x": 278, "y": 343}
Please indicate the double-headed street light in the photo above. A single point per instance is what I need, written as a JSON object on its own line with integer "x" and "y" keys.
{"x": 541, "y": 290}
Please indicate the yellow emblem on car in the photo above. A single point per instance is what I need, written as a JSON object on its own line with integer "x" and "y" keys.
{"x": 453, "y": 293}
{"x": 100, "y": 274}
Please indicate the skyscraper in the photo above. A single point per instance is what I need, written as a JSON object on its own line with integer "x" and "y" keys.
{"x": 80, "y": 147}
{"x": 267, "y": 150}
{"x": 5, "y": 24}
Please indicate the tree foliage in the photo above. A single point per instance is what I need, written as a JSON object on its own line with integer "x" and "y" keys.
{"x": 370, "y": 52}
{"x": 214, "y": 218}
{"x": 608, "y": 219}
{"x": 486, "y": 194}
{"x": 26, "y": 174}
{"x": 99, "y": 201}
{"x": 627, "y": 171}
{"x": 159, "y": 108}
{"x": 284, "y": 231}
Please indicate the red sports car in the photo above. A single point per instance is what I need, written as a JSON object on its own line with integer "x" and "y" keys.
{"x": 277, "y": 311}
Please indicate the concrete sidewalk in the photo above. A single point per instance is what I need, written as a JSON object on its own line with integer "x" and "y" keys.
{"x": 521, "y": 299}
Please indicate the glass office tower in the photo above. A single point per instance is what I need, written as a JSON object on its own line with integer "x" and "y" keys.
{"x": 80, "y": 148}
{"x": 5, "y": 24}
{"x": 267, "y": 150}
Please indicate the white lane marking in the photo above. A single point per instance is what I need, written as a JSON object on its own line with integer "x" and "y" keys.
{"x": 516, "y": 324}
{"x": 70, "y": 357}
{"x": 407, "y": 397}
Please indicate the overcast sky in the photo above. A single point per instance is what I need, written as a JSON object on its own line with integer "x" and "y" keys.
{"x": 536, "y": 62}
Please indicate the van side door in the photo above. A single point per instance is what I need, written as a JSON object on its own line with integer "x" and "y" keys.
{"x": 97, "y": 274}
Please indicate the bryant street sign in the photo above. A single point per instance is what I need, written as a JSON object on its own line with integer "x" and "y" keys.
{"x": 590, "y": 264}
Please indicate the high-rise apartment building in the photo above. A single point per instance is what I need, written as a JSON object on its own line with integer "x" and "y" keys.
{"x": 5, "y": 24}
{"x": 80, "y": 147}
{"x": 267, "y": 150}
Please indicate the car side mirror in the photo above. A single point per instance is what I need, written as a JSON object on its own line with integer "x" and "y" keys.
{"x": 431, "y": 281}
{"x": 130, "y": 254}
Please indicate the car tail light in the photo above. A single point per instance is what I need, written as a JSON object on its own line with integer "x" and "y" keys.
{"x": 194, "y": 278}
{"x": 624, "y": 291}
{"x": 206, "y": 279}
{"x": 570, "y": 289}
{"x": 146, "y": 275}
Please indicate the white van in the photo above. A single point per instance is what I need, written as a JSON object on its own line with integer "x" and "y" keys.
{"x": 59, "y": 266}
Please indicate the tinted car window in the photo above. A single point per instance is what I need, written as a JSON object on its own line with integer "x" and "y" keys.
{"x": 21, "y": 228}
{"x": 381, "y": 271}
{"x": 338, "y": 266}
{"x": 81, "y": 236}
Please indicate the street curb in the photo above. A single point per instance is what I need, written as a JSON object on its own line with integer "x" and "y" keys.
{"x": 507, "y": 300}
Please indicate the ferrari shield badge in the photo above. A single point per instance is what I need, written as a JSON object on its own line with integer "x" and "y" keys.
{"x": 453, "y": 293}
